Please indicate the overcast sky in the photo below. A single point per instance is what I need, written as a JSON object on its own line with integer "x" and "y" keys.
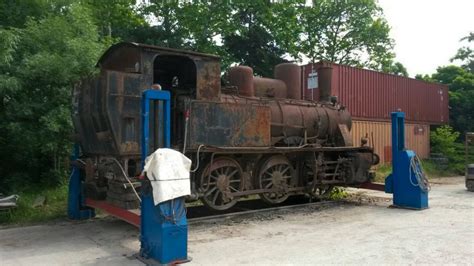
{"x": 427, "y": 32}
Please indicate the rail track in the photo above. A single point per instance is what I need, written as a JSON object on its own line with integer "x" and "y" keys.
{"x": 247, "y": 209}
{"x": 252, "y": 208}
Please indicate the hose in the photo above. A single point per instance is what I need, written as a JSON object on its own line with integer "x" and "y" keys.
{"x": 197, "y": 159}
{"x": 128, "y": 179}
{"x": 421, "y": 180}
{"x": 173, "y": 217}
{"x": 185, "y": 134}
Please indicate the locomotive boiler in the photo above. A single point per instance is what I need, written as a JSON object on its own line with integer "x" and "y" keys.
{"x": 246, "y": 135}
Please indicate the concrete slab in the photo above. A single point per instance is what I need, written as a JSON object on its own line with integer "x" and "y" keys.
{"x": 364, "y": 231}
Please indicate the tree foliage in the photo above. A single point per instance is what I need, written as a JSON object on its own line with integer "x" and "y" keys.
{"x": 396, "y": 68}
{"x": 43, "y": 59}
{"x": 443, "y": 139}
{"x": 346, "y": 32}
{"x": 256, "y": 33}
{"x": 465, "y": 54}
{"x": 263, "y": 33}
{"x": 460, "y": 80}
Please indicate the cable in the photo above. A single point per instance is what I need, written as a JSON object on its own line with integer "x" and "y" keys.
{"x": 417, "y": 168}
{"x": 186, "y": 121}
{"x": 126, "y": 177}
{"x": 185, "y": 134}
{"x": 197, "y": 159}
{"x": 173, "y": 217}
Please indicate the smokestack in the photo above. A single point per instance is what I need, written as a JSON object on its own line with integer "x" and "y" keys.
{"x": 325, "y": 81}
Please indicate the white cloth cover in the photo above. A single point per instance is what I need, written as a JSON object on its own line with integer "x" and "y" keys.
{"x": 168, "y": 171}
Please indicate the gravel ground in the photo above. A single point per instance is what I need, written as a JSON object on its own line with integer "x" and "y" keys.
{"x": 361, "y": 231}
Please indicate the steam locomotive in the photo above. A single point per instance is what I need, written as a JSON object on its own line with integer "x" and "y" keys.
{"x": 246, "y": 135}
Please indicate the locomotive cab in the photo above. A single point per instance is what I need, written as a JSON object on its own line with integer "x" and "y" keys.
{"x": 107, "y": 107}
{"x": 176, "y": 74}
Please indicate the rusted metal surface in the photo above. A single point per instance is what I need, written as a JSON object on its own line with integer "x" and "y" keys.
{"x": 300, "y": 122}
{"x": 315, "y": 123}
{"x": 250, "y": 86}
{"x": 325, "y": 71}
{"x": 221, "y": 178}
{"x": 227, "y": 124}
{"x": 373, "y": 95}
{"x": 290, "y": 74}
{"x": 208, "y": 84}
{"x": 276, "y": 174}
{"x": 242, "y": 78}
{"x": 269, "y": 88}
{"x": 129, "y": 216}
{"x": 107, "y": 108}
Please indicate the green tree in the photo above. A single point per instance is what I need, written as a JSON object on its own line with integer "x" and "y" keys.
{"x": 14, "y": 13}
{"x": 116, "y": 19}
{"x": 260, "y": 33}
{"x": 264, "y": 33}
{"x": 461, "y": 95}
{"x": 256, "y": 33}
{"x": 424, "y": 77}
{"x": 45, "y": 57}
{"x": 465, "y": 54}
{"x": 460, "y": 80}
{"x": 396, "y": 68}
{"x": 346, "y": 32}
{"x": 443, "y": 140}
{"x": 181, "y": 24}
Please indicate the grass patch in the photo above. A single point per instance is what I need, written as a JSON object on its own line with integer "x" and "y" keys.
{"x": 55, "y": 206}
{"x": 382, "y": 172}
{"x": 430, "y": 168}
{"x": 338, "y": 193}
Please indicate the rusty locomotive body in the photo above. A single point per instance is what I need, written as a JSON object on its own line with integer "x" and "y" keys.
{"x": 249, "y": 135}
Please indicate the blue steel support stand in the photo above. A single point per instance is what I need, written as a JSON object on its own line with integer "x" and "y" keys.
{"x": 402, "y": 181}
{"x": 75, "y": 203}
{"x": 163, "y": 240}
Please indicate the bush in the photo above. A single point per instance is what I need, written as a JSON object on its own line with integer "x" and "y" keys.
{"x": 443, "y": 140}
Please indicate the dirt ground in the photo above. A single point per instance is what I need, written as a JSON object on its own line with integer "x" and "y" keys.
{"x": 361, "y": 231}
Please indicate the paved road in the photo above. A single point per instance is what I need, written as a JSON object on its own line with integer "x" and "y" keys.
{"x": 353, "y": 233}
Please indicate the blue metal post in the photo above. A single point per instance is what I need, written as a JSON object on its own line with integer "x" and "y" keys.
{"x": 402, "y": 182}
{"x": 75, "y": 204}
{"x": 164, "y": 229}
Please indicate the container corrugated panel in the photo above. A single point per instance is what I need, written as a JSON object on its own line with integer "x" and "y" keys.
{"x": 417, "y": 138}
{"x": 372, "y": 95}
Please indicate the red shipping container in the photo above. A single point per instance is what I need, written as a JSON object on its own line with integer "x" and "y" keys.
{"x": 372, "y": 95}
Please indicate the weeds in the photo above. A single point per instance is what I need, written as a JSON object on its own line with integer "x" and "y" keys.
{"x": 430, "y": 168}
{"x": 338, "y": 193}
{"x": 54, "y": 207}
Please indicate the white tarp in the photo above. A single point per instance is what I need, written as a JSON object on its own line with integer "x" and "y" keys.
{"x": 168, "y": 171}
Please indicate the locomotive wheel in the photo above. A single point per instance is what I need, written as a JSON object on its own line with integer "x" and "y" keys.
{"x": 218, "y": 180}
{"x": 275, "y": 173}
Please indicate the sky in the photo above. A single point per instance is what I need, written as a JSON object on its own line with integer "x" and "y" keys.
{"x": 427, "y": 32}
